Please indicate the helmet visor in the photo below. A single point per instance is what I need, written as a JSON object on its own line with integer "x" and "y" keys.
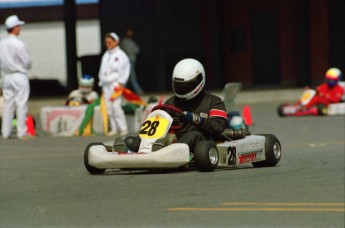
{"x": 331, "y": 82}
{"x": 182, "y": 87}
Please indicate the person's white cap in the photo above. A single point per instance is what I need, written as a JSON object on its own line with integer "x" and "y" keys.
{"x": 114, "y": 36}
{"x": 13, "y": 21}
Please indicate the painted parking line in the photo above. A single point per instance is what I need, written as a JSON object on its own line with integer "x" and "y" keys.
{"x": 270, "y": 207}
{"x": 319, "y": 144}
{"x": 282, "y": 204}
{"x": 31, "y": 156}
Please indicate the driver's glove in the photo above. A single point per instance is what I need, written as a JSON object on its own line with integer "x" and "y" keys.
{"x": 188, "y": 117}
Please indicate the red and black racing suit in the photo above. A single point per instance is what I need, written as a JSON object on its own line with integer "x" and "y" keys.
{"x": 211, "y": 108}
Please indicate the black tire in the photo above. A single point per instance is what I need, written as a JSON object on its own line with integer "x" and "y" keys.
{"x": 321, "y": 110}
{"x": 280, "y": 110}
{"x": 91, "y": 169}
{"x": 272, "y": 151}
{"x": 206, "y": 156}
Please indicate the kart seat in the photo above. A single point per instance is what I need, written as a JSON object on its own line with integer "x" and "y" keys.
{"x": 232, "y": 134}
{"x": 342, "y": 84}
{"x": 230, "y": 92}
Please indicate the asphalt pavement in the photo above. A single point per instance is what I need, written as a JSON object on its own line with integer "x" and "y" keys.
{"x": 43, "y": 183}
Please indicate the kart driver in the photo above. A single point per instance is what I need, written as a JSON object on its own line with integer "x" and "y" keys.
{"x": 328, "y": 92}
{"x": 85, "y": 94}
{"x": 204, "y": 113}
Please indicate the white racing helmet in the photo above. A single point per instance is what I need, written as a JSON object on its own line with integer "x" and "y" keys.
{"x": 188, "y": 78}
{"x": 236, "y": 122}
{"x": 86, "y": 83}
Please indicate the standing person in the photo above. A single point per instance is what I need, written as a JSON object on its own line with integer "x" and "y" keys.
{"x": 114, "y": 73}
{"x": 132, "y": 50}
{"x": 15, "y": 61}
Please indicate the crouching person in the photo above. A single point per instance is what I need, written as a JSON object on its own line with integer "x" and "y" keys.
{"x": 85, "y": 94}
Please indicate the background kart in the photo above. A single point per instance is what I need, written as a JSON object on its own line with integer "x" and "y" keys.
{"x": 236, "y": 147}
{"x": 297, "y": 109}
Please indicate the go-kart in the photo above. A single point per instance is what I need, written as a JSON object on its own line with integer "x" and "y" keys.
{"x": 299, "y": 109}
{"x": 236, "y": 148}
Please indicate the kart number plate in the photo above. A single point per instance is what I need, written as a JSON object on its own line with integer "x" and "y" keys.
{"x": 154, "y": 127}
{"x": 307, "y": 96}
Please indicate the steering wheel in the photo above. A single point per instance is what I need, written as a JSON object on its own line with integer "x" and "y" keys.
{"x": 174, "y": 112}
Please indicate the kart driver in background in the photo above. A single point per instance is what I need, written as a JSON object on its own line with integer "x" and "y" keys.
{"x": 85, "y": 94}
{"x": 328, "y": 92}
{"x": 204, "y": 113}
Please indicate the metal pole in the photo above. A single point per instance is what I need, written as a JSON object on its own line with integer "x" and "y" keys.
{"x": 69, "y": 8}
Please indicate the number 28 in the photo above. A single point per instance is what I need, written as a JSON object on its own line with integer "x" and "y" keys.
{"x": 149, "y": 128}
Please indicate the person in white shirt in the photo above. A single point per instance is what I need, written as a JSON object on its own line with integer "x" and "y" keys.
{"x": 114, "y": 73}
{"x": 15, "y": 61}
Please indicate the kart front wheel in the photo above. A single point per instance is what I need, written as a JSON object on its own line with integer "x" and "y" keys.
{"x": 206, "y": 156}
{"x": 280, "y": 110}
{"x": 91, "y": 169}
{"x": 273, "y": 152}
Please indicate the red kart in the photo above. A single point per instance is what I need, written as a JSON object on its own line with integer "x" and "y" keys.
{"x": 299, "y": 109}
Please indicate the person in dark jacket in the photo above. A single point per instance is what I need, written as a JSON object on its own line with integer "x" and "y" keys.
{"x": 204, "y": 113}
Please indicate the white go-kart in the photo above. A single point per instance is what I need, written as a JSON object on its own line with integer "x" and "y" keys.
{"x": 159, "y": 150}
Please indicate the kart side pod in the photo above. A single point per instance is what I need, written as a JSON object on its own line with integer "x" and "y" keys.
{"x": 260, "y": 150}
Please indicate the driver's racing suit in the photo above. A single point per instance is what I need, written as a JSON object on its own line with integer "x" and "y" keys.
{"x": 208, "y": 106}
{"x": 326, "y": 95}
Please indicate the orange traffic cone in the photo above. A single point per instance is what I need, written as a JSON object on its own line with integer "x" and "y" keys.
{"x": 247, "y": 116}
{"x": 30, "y": 125}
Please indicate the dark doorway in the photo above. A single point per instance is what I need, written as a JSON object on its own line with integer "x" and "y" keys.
{"x": 166, "y": 31}
{"x": 265, "y": 44}
{"x": 337, "y": 34}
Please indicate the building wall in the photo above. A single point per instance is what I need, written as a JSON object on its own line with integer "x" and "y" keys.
{"x": 307, "y": 36}
{"x": 239, "y": 44}
{"x": 310, "y": 33}
{"x": 319, "y": 42}
{"x": 46, "y": 44}
{"x": 166, "y": 31}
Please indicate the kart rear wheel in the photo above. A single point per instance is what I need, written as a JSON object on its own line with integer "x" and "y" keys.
{"x": 321, "y": 110}
{"x": 91, "y": 169}
{"x": 206, "y": 156}
{"x": 273, "y": 152}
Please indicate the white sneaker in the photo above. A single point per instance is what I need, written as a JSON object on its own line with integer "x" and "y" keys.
{"x": 112, "y": 133}
{"x": 124, "y": 133}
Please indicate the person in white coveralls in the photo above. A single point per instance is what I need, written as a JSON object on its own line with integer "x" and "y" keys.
{"x": 113, "y": 74}
{"x": 15, "y": 62}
